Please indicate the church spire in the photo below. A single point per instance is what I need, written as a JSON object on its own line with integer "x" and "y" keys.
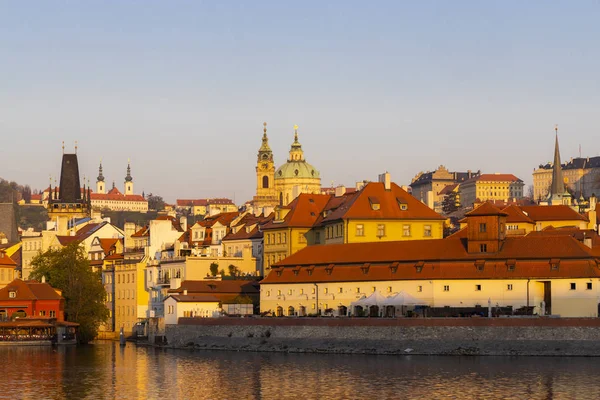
{"x": 265, "y": 153}
{"x": 100, "y": 175}
{"x": 558, "y": 184}
{"x": 128, "y": 178}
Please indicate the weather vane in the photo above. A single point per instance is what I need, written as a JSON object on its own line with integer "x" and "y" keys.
{"x": 295, "y": 127}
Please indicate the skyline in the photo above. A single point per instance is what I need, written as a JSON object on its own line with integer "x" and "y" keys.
{"x": 183, "y": 89}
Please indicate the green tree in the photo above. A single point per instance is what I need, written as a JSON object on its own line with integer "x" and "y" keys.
{"x": 233, "y": 270}
{"x": 68, "y": 269}
{"x": 214, "y": 269}
{"x": 155, "y": 202}
{"x": 450, "y": 203}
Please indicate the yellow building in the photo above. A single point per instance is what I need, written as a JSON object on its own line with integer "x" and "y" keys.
{"x": 282, "y": 186}
{"x": 285, "y": 234}
{"x": 7, "y": 269}
{"x": 381, "y": 211}
{"x": 130, "y": 297}
{"x": 549, "y": 274}
{"x": 500, "y": 187}
{"x": 31, "y": 247}
{"x": 428, "y": 187}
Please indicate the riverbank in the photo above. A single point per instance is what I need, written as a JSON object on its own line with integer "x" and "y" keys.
{"x": 416, "y": 336}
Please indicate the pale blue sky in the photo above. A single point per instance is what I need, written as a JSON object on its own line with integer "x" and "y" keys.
{"x": 182, "y": 88}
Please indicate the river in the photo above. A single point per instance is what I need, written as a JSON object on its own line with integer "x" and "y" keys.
{"x": 106, "y": 371}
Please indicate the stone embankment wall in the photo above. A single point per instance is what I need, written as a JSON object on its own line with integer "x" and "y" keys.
{"x": 452, "y": 336}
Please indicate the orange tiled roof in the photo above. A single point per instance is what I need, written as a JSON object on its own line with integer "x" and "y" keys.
{"x": 255, "y": 233}
{"x": 117, "y": 196}
{"x": 495, "y": 178}
{"x": 5, "y": 260}
{"x": 516, "y": 215}
{"x": 304, "y": 211}
{"x": 359, "y": 205}
{"x": 552, "y": 213}
{"x": 191, "y": 203}
{"x": 108, "y": 244}
{"x": 485, "y": 209}
{"x": 436, "y": 250}
{"x": 29, "y": 290}
{"x": 213, "y": 287}
{"x": 144, "y": 232}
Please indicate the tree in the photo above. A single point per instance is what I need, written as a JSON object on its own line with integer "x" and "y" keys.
{"x": 155, "y": 202}
{"x": 68, "y": 270}
{"x": 530, "y": 192}
{"x": 450, "y": 203}
{"x": 214, "y": 269}
{"x": 233, "y": 270}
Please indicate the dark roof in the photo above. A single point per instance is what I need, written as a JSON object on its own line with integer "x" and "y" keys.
{"x": 69, "y": 191}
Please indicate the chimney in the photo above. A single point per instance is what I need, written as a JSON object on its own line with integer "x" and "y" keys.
{"x": 469, "y": 173}
{"x": 340, "y": 191}
{"x": 183, "y": 223}
{"x": 386, "y": 180}
{"x": 185, "y": 292}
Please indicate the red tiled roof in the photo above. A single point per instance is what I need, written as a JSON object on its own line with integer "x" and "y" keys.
{"x": 29, "y": 290}
{"x": 516, "y": 215}
{"x": 242, "y": 234}
{"x": 485, "y": 209}
{"x": 552, "y": 213}
{"x": 145, "y": 231}
{"x": 448, "y": 189}
{"x": 449, "y": 249}
{"x": 304, "y": 211}
{"x": 6, "y": 261}
{"x": 117, "y": 196}
{"x": 191, "y": 203}
{"x": 530, "y": 269}
{"x": 180, "y": 298}
{"x": 358, "y": 205}
{"x": 495, "y": 178}
{"x": 108, "y": 244}
{"x": 36, "y": 197}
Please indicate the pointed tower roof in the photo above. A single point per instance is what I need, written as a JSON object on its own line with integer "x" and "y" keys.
{"x": 265, "y": 153}
{"x": 128, "y": 178}
{"x": 100, "y": 175}
{"x": 558, "y": 184}
{"x": 70, "y": 186}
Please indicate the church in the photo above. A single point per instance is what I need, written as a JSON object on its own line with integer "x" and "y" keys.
{"x": 114, "y": 200}
{"x": 278, "y": 187}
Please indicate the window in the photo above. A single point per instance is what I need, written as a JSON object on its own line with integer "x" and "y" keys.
{"x": 573, "y": 286}
{"x": 301, "y": 291}
{"x": 404, "y": 207}
{"x": 279, "y": 293}
{"x": 509, "y": 287}
{"x": 483, "y": 248}
{"x": 419, "y": 288}
{"x": 279, "y": 238}
{"x": 317, "y": 237}
{"x": 42, "y": 313}
{"x": 268, "y": 293}
{"x": 427, "y": 231}
{"x": 325, "y": 290}
{"x": 52, "y": 314}
{"x": 446, "y": 288}
{"x": 284, "y": 238}
{"x": 482, "y": 228}
{"x": 478, "y": 288}
{"x": 380, "y": 230}
{"x": 406, "y": 230}
{"x": 357, "y": 290}
{"x": 12, "y": 294}
{"x": 290, "y": 292}
{"x": 588, "y": 286}
{"x": 313, "y": 291}
{"x": 360, "y": 230}
{"x": 389, "y": 289}
{"x": 341, "y": 290}
{"x": 301, "y": 238}
{"x": 373, "y": 289}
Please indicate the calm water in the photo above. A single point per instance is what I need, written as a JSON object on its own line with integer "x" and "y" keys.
{"x": 107, "y": 371}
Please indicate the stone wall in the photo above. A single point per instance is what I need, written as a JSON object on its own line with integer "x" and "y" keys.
{"x": 498, "y": 336}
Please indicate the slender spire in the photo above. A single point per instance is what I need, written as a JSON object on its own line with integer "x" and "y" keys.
{"x": 128, "y": 178}
{"x": 296, "y": 152}
{"x": 558, "y": 184}
{"x": 265, "y": 153}
{"x": 100, "y": 175}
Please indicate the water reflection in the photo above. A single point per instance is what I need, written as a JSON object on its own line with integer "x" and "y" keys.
{"x": 106, "y": 370}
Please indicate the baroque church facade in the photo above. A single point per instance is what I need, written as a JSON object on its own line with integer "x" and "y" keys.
{"x": 278, "y": 187}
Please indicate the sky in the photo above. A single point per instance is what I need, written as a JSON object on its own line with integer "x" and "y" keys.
{"x": 182, "y": 88}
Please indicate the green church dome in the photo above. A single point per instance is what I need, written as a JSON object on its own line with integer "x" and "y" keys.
{"x": 296, "y": 169}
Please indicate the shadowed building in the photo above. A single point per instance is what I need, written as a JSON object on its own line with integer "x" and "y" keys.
{"x": 71, "y": 203}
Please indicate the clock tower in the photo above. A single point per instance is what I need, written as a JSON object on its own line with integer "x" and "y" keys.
{"x": 266, "y": 197}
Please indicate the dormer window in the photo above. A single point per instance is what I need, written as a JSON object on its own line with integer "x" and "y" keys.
{"x": 480, "y": 264}
{"x": 419, "y": 266}
{"x": 12, "y": 294}
{"x": 554, "y": 264}
{"x": 394, "y": 268}
{"x": 402, "y": 203}
{"x": 365, "y": 268}
{"x": 510, "y": 265}
{"x": 375, "y": 204}
{"x": 279, "y": 272}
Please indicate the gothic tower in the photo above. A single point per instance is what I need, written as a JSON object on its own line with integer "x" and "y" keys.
{"x": 100, "y": 184}
{"x": 70, "y": 203}
{"x": 128, "y": 180}
{"x": 558, "y": 192}
{"x": 265, "y": 176}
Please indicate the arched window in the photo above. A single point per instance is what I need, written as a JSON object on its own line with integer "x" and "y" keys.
{"x": 280, "y": 198}
{"x": 265, "y": 184}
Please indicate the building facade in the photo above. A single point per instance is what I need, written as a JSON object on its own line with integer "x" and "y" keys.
{"x": 427, "y": 186}
{"x": 494, "y": 187}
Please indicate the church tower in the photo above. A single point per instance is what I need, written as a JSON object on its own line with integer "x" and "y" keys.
{"x": 265, "y": 176}
{"x": 558, "y": 193}
{"x": 128, "y": 180}
{"x": 70, "y": 203}
{"x": 100, "y": 184}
